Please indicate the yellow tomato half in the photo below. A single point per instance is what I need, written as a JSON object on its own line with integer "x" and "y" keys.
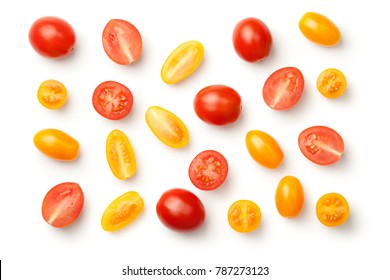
{"x": 331, "y": 83}
{"x": 244, "y": 216}
{"x": 332, "y": 209}
{"x": 52, "y": 94}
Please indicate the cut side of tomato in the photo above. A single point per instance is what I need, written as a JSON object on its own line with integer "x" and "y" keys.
{"x": 332, "y": 209}
{"x": 52, "y": 94}
{"x": 331, "y": 83}
{"x": 244, "y": 216}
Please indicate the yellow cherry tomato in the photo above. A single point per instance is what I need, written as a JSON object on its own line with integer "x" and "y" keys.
{"x": 264, "y": 149}
{"x": 182, "y": 62}
{"x": 122, "y": 211}
{"x": 120, "y": 155}
{"x": 52, "y": 94}
{"x": 331, "y": 83}
{"x": 332, "y": 209}
{"x": 167, "y": 127}
{"x": 56, "y": 144}
{"x": 289, "y": 197}
{"x": 244, "y": 216}
{"x": 319, "y": 29}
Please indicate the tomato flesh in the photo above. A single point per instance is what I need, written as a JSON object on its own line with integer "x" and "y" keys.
{"x": 122, "y": 42}
{"x": 289, "y": 197}
{"x": 332, "y": 209}
{"x": 321, "y": 145}
{"x": 208, "y": 170}
{"x": 63, "y": 204}
{"x": 331, "y": 83}
{"x": 52, "y": 94}
{"x": 283, "y": 88}
{"x": 244, "y": 216}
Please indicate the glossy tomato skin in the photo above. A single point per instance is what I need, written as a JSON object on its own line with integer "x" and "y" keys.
{"x": 252, "y": 39}
{"x": 208, "y": 170}
{"x": 321, "y": 144}
{"x": 180, "y": 210}
{"x": 52, "y": 37}
{"x": 63, "y": 204}
{"x": 218, "y": 105}
{"x": 332, "y": 209}
{"x": 244, "y": 216}
{"x": 52, "y": 94}
{"x": 122, "y": 42}
{"x": 57, "y": 144}
{"x": 289, "y": 197}
{"x": 112, "y": 100}
{"x": 283, "y": 88}
{"x": 331, "y": 83}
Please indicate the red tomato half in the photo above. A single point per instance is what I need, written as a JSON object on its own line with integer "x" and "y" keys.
{"x": 252, "y": 40}
{"x": 52, "y": 37}
{"x": 122, "y": 42}
{"x": 283, "y": 89}
{"x": 321, "y": 145}
{"x": 208, "y": 170}
{"x": 180, "y": 210}
{"x": 112, "y": 100}
{"x": 218, "y": 105}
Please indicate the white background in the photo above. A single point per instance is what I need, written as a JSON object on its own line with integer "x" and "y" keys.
{"x": 301, "y": 248}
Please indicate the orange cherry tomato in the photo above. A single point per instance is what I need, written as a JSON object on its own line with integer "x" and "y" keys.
{"x": 244, "y": 216}
{"x": 52, "y": 94}
{"x": 289, "y": 197}
{"x": 56, "y": 144}
{"x": 167, "y": 127}
{"x": 332, "y": 209}
{"x": 264, "y": 149}
{"x": 319, "y": 29}
{"x": 122, "y": 211}
{"x": 331, "y": 83}
{"x": 182, "y": 62}
{"x": 120, "y": 155}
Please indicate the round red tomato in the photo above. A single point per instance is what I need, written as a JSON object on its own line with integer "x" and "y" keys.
{"x": 218, "y": 105}
{"x": 252, "y": 39}
{"x": 321, "y": 145}
{"x": 180, "y": 210}
{"x": 208, "y": 170}
{"x": 112, "y": 100}
{"x": 52, "y": 37}
{"x": 283, "y": 88}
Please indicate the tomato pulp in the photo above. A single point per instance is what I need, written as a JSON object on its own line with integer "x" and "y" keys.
{"x": 244, "y": 216}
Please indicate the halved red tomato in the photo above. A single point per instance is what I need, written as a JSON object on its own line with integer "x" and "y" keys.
{"x": 283, "y": 88}
{"x": 321, "y": 144}
{"x": 208, "y": 170}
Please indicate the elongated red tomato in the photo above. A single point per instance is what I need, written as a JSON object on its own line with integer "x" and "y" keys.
{"x": 120, "y": 155}
{"x": 122, "y": 41}
{"x": 283, "y": 88}
{"x": 289, "y": 197}
{"x": 321, "y": 144}
{"x": 63, "y": 204}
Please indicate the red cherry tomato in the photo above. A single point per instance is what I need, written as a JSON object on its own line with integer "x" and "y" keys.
{"x": 283, "y": 88}
{"x": 321, "y": 145}
{"x": 218, "y": 105}
{"x": 112, "y": 100}
{"x": 52, "y": 37}
{"x": 180, "y": 210}
{"x": 122, "y": 42}
{"x": 252, "y": 39}
{"x": 62, "y": 204}
{"x": 208, "y": 170}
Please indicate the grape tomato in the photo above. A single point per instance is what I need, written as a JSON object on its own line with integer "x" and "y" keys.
{"x": 289, "y": 197}
{"x": 244, "y": 216}
{"x": 52, "y": 94}
{"x": 332, "y": 209}
{"x": 331, "y": 83}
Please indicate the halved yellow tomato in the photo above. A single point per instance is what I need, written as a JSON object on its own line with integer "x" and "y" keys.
{"x": 332, "y": 209}
{"x": 52, "y": 94}
{"x": 120, "y": 155}
{"x": 289, "y": 197}
{"x": 244, "y": 216}
{"x": 331, "y": 83}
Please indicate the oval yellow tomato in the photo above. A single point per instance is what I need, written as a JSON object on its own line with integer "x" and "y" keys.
{"x": 52, "y": 94}
{"x": 167, "y": 127}
{"x": 56, "y": 144}
{"x": 289, "y": 197}
{"x": 120, "y": 155}
{"x": 244, "y": 216}
{"x": 182, "y": 62}
{"x": 331, "y": 83}
{"x": 122, "y": 211}
{"x": 332, "y": 209}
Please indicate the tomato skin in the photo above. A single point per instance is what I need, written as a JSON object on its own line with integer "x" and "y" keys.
{"x": 332, "y": 209}
{"x": 63, "y": 204}
{"x": 264, "y": 149}
{"x": 331, "y": 83}
{"x": 218, "y": 105}
{"x": 167, "y": 127}
{"x": 52, "y": 94}
{"x": 56, "y": 144}
{"x": 208, "y": 170}
{"x": 321, "y": 144}
{"x": 122, "y": 211}
{"x": 252, "y": 40}
{"x": 112, "y": 100}
{"x": 283, "y": 88}
{"x": 319, "y": 29}
{"x": 120, "y": 155}
{"x": 122, "y": 42}
{"x": 180, "y": 210}
{"x": 289, "y": 197}
{"x": 182, "y": 62}
{"x": 52, "y": 37}
{"x": 244, "y": 216}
